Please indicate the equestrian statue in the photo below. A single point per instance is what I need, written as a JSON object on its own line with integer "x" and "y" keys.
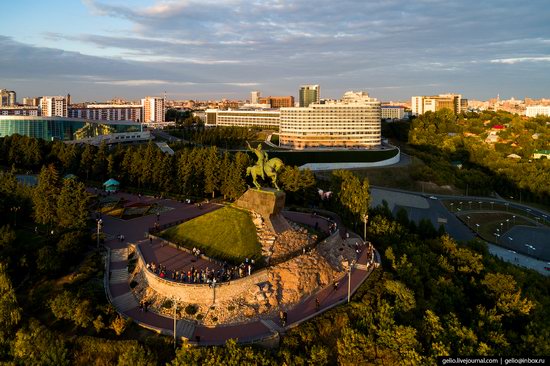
{"x": 264, "y": 167}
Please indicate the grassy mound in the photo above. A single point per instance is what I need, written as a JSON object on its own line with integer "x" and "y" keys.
{"x": 225, "y": 234}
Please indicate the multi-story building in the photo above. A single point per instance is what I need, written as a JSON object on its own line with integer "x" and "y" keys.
{"x": 392, "y": 112}
{"x": 353, "y": 122}
{"x": 254, "y": 97}
{"x": 153, "y": 110}
{"x": 537, "y": 110}
{"x": 19, "y": 111}
{"x": 108, "y": 112}
{"x": 423, "y": 104}
{"x": 309, "y": 94}
{"x": 53, "y": 106}
{"x": 8, "y": 98}
{"x": 31, "y": 102}
{"x": 278, "y": 102}
{"x": 243, "y": 118}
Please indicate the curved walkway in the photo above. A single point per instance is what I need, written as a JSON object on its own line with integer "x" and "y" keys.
{"x": 120, "y": 295}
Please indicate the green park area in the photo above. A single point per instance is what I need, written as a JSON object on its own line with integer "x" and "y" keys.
{"x": 225, "y": 234}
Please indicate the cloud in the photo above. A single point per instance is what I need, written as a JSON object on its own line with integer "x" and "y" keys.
{"x": 517, "y": 60}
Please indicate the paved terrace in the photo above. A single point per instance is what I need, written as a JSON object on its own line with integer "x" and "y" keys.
{"x": 134, "y": 231}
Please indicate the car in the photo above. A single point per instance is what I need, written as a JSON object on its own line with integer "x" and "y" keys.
{"x": 433, "y": 197}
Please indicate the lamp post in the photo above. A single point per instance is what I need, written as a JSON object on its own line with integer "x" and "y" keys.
{"x": 349, "y": 280}
{"x": 514, "y": 217}
{"x": 468, "y": 217}
{"x": 492, "y": 206}
{"x": 175, "y": 329}
{"x": 477, "y": 228}
{"x": 496, "y": 237}
{"x": 99, "y": 223}
{"x": 470, "y": 203}
{"x": 480, "y": 204}
{"x": 365, "y": 219}
{"x": 530, "y": 247}
{"x": 452, "y": 204}
{"x": 14, "y": 210}
{"x": 507, "y": 205}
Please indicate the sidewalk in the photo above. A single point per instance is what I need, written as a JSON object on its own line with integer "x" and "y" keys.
{"x": 122, "y": 298}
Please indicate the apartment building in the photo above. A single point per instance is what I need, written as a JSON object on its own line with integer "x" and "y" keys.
{"x": 423, "y": 104}
{"x": 55, "y": 106}
{"x": 153, "y": 110}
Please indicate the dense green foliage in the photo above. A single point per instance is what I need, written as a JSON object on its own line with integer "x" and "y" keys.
{"x": 442, "y": 138}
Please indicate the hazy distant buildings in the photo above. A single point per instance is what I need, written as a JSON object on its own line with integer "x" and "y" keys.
{"x": 153, "y": 110}
{"x": 19, "y": 111}
{"x": 8, "y": 98}
{"x": 278, "y": 102}
{"x": 309, "y": 94}
{"x": 31, "y": 102}
{"x": 108, "y": 112}
{"x": 392, "y": 112}
{"x": 353, "y": 121}
{"x": 254, "y": 97}
{"x": 243, "y": 118}
{"x": 537, "y": 110}
{"x": 55, "y": 106}
{"x": 423, "y": 104}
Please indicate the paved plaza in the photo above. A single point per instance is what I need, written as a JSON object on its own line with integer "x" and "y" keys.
{"x": 134, "y": 231}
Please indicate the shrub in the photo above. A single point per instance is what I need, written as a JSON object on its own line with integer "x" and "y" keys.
{"x": 191, "y": 309}
{"x": 167, "y": 304}
{"x": 133, "y": 284}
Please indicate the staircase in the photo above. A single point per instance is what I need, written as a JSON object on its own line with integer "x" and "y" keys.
{"x": 185, "y": 329}
{"x": 119, "y": 276}
{"x": 125, "y": 302}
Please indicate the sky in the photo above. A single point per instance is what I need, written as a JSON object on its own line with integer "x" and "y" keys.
{"x": 212, "y": 49}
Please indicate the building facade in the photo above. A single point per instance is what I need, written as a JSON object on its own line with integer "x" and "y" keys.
{"x": 31, "y": 102}
{"x": 153, "y": 110}
{"x": 392, "y": 112}
{"x": 353, "y": 122}
{"x": 108, "y": 112}
{"x": 254, "y": 97}
{"x": 53, "y": 106}
{"x": 19, "y": 111}
{"x": 278, "y": 102}
{"x": 243, "y": 118}
{"x": 423, "y": 104}
{"x": 309, "y": 94}
{"x": 537, "y": 110}
{"x": 63, "y": 128}
{"x": 8, "y": 98}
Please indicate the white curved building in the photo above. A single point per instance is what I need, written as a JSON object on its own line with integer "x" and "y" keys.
{"x": 352, "y": 122}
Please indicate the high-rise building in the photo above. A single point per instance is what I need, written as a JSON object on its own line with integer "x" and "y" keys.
{"x": 254, "y": 97}
{"x": 153, "y": 110}
{"x": 7, "y": 98}
{"x": 309, "y": 94}
{"x": 423, "y": 104}
{"x": 353, "y": 121}
{"x": 53, "y": 106}
{"x": 278, "y": 102}
{"x": 31, "y": 102}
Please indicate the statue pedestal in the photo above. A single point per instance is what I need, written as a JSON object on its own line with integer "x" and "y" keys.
{"x": 269, "y": 203}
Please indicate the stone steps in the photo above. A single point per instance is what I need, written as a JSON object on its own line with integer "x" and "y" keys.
{"x": 119, "y": 276}
{"x": 185, "y": 328}
{"x": 119, "y": 255}
{"x": 272, "y": 325}
{"x": 125, "y": 302}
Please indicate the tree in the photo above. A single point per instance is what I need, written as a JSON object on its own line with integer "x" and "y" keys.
{"x": 136, "y": 355}
{"x": 36, "y": 345}
{"x": 45, "y": 196}
{"x": 48, "y": 261}
{"x": 72, "y": 205}
{"x": 69, "y": 307}
{"x": 353, "y": 194}
{"x": 10, "y": 312}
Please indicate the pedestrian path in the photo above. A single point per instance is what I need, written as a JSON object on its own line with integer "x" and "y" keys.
{"x": 126, "y": 304}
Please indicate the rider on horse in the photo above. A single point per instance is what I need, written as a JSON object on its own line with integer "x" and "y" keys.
{"x": 262, "y": 157}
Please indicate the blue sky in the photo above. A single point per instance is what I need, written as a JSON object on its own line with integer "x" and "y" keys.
{"x": 200, "y": 49}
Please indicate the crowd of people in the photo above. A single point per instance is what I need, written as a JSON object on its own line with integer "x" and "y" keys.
{"x": 206, "y": 275}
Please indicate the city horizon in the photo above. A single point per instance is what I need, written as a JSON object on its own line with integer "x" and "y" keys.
{"x": 98, "y": 51}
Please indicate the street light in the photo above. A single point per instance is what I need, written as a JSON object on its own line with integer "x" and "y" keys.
{"x": 480, "y": 204}
{"x": 507, "y": 205}
{"x": 477, "y": 228}
{"x": 99, "y": 223}
{"x": 452, "y": 204}
{"x": 496, "y": 237}
{"x": 349, "y": 280}
{"x": 514, "y": 217}
{"x": 175, "y": 329}
{"x": 470, "y": 202}
{"x": 365, "y": 219}
{"x": 492, "y": 205}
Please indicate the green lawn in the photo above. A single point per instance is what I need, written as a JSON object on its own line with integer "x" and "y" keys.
{"x": 225, "y": 234}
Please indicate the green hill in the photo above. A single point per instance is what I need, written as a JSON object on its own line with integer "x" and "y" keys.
{"x": 225, "y": 234}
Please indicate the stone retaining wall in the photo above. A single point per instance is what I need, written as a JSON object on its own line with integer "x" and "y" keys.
{"x": 200, "y": 294}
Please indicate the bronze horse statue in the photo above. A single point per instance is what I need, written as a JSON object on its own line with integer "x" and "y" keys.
{"x": 271, "y": 168}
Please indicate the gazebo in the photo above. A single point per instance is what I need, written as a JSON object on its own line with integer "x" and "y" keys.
{"x": 111, "y": 185}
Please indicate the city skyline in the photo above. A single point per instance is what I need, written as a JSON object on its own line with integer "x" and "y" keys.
{"x": 192, "y": 50}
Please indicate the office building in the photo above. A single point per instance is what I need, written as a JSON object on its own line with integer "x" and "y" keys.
{"x": 537, "y": 110}
{"x": 309, "y": 94}
{"x": 70, "y": 129}
{"x": 278, "y": 102}
{"x": 31, "y": 102}
{"x": 108, "y": 112}
{"x": 423, "y": 104}
{"x": 353, "y": 122}
{"x": 19, "y": 111}
{"x": 254, "y": 97}
{"x": 243, "y": 118}
{"x": 153, "y": 110}
{"x": 53, "y": 106}
{"x": 392, "y": 112}
{"x": 8, "y": 98}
